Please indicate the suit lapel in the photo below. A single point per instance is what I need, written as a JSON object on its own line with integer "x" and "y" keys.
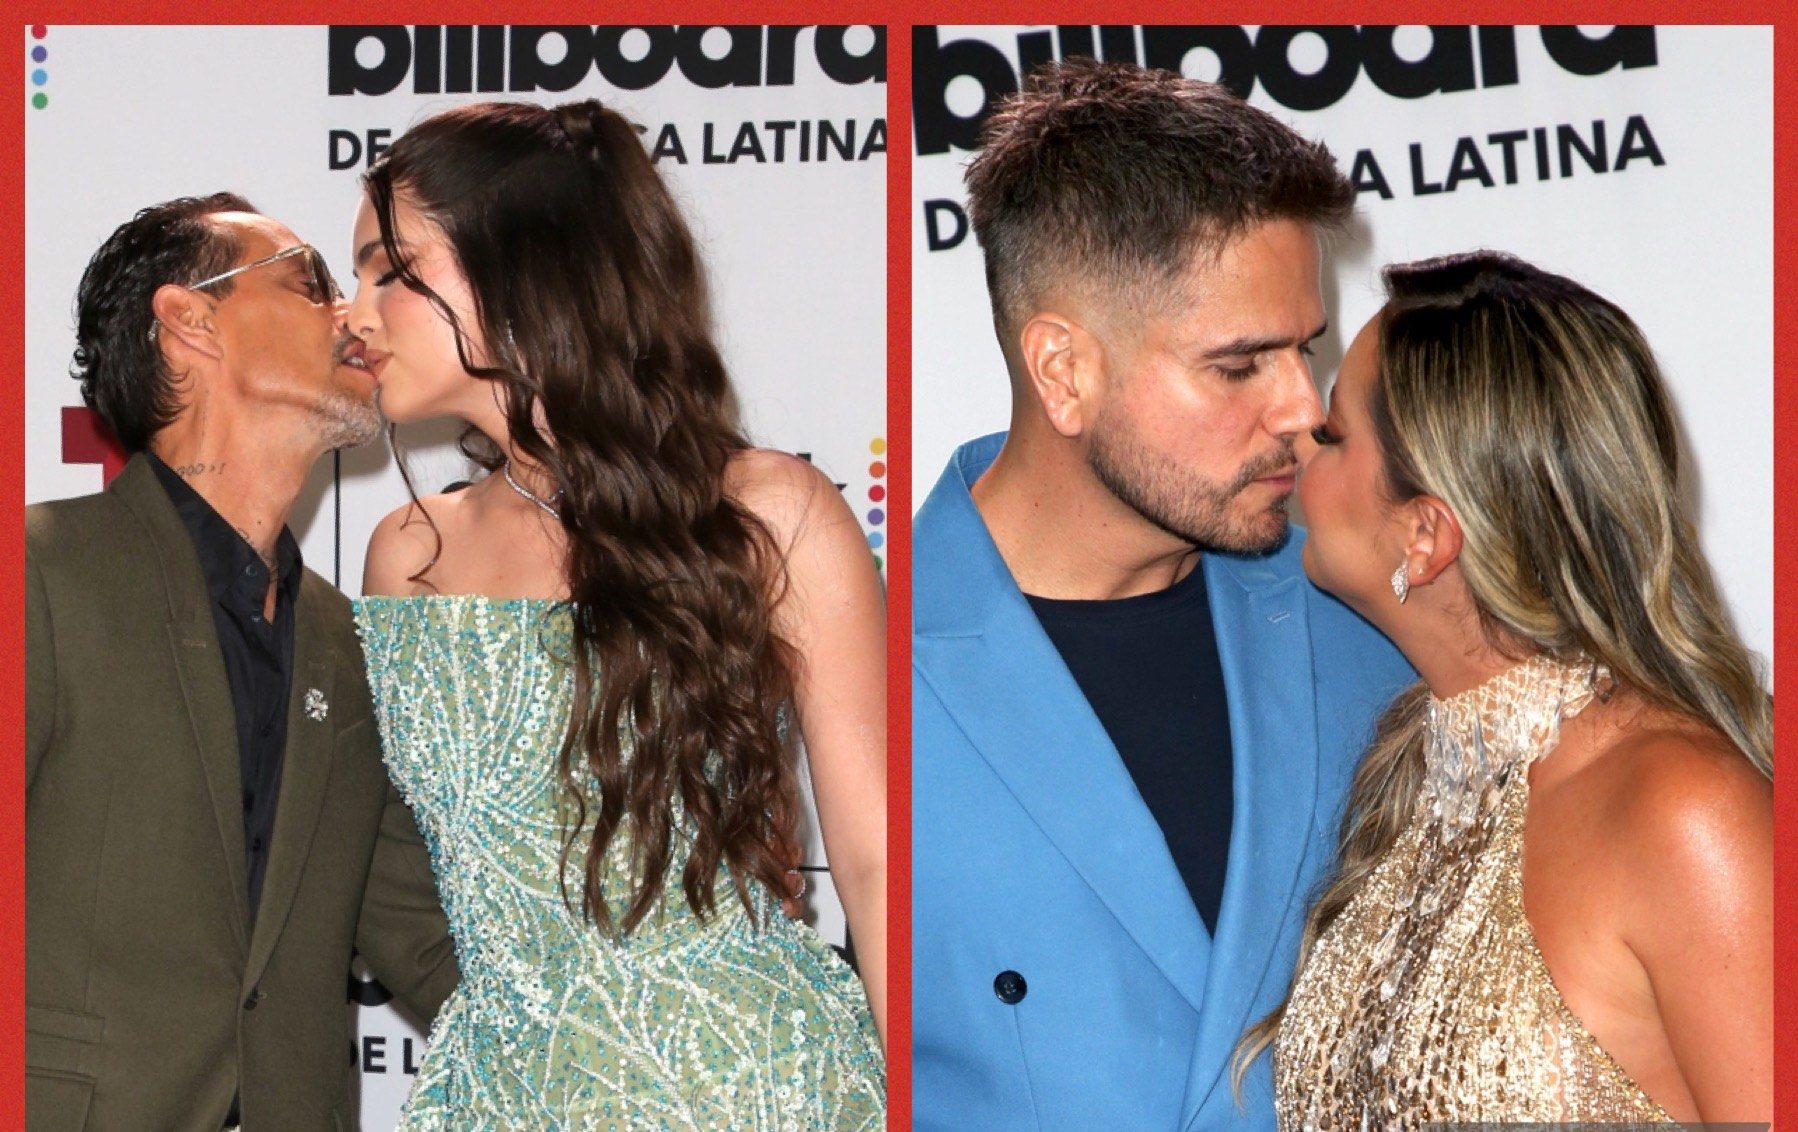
{"x": 1014, "y": 699}
{"x": 194, "y": 653}
{"x": 979, "y": 645}
{"x": 306, "y": 762}
{"x": 194, "y": 646}
{"x": 305, "y": 768}
{"x": 1264, "y": 640}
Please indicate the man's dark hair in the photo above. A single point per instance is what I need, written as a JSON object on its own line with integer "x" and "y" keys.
{"x": 117, "y": 360}
{"x": 1115, "y": 175}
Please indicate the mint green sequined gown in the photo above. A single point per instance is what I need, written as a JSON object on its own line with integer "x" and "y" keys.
{"x": 684, "y": 1024}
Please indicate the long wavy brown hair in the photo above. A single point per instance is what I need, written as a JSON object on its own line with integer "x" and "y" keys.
{"x": 1535, "y": 409}
{"x": 591, "y": 302}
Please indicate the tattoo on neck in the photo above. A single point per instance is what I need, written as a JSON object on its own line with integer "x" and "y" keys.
{"x": 190, "y": 470}
{"x": 268, "y": 560}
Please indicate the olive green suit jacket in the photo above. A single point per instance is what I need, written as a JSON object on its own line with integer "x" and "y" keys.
{"x": 149, "y": 995}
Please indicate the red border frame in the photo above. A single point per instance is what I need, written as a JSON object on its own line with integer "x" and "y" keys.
{"x": 12, "y": 624}
{"x": 1785, "y": 613}
{"x": 899, "y": 576}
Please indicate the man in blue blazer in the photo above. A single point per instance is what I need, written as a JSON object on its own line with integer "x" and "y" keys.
{"x": 1134, "y": 720}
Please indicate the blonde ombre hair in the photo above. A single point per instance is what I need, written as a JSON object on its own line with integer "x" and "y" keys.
{"x": 1534, "y": 409}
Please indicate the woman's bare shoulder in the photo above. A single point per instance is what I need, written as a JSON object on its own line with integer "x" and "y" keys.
{"x": 1689, "y": 817}
{"x": 407, "y": 541}
{"x": 788, "y": 494}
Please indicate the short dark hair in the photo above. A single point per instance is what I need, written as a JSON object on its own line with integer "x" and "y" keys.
{"x": 117, "y": 360}
{"x": 1118, "y": 174}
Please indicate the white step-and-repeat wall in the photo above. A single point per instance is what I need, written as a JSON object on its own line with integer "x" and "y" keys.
{"x": 1637, "y": 160}
{"x": 774, "y": 139}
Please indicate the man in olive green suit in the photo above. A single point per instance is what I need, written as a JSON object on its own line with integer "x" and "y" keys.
{"x": 209, "y": 827}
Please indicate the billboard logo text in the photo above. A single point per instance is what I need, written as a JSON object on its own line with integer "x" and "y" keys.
{"x": 378, "y": 58}
{"x": 1458, "y": 58}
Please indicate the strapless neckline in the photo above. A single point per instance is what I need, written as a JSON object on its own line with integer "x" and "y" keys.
{"x": 728, "y": 1021}
{"x": 376, "y": 601}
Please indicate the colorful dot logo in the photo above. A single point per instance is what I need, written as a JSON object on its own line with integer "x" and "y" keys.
{"x": 877, "y": 494}
{"x": 39, "y": 76}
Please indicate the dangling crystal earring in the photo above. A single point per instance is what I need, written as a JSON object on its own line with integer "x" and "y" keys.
{"x": 1401, "y": 584}
{"x": 1601, "y": 674}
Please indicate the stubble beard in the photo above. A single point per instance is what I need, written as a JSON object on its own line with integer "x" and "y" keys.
{"x": 343, "y": 420}
{"x": 1186, "y": 505}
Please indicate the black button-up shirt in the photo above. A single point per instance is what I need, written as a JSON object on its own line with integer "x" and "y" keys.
{"x": 258, "y": 655}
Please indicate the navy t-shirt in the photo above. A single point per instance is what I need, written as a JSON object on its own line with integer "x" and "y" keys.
{"x": 1148, "y": 666}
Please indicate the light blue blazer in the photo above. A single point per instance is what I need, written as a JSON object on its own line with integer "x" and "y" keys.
{"x": 1032, "y": 852}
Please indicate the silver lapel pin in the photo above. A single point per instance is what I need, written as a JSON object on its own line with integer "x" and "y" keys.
{"x": 316, "y": 707}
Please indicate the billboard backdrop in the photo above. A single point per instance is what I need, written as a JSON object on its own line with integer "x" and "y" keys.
{"x": 1637, "y": 160}
{"x": 774, "y": 139}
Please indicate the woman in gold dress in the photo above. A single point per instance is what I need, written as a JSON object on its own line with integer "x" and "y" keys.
{"x": 1553, "y": 898}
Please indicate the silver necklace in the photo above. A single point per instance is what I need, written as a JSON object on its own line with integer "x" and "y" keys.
{"x": 546, "y": 504}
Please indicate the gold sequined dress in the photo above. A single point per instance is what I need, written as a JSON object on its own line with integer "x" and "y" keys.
{"x": 704, "y": 1025}
{"x": 1427, "y": 1001}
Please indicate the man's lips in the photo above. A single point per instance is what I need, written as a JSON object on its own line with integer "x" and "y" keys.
{"x": 349, "y": 351}
{"x": 355, "y": 354}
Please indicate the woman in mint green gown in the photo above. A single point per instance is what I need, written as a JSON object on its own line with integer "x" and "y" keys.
{"x": 587, "y": 665}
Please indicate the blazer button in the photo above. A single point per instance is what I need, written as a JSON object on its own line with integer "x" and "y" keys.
{"x": 255, "y": 997}
{"x": 1010, "y": 987}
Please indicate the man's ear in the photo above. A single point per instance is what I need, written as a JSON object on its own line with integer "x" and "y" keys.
{"x": 1059, "y": 360}
{"x": 1435, "y": 539}
{"x": 184, "y": 321}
